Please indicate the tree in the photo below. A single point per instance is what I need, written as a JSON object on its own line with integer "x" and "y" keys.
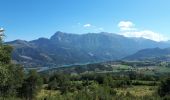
{"x": 60, "y": 81}
{"x": 14, "y": 81}
{"x": 5, "y": 52}
{"x": 10, "y": 74}
{"x": 53, "y": 85}
{"x": 32, "y": 84}
{"x": 164, "y": 88}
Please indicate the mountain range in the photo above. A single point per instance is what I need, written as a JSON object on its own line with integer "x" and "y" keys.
{"x": 67, "y": 48}
{"x": 156, "y": 54}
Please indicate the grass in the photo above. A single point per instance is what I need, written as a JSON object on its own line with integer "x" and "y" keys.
{"x": 162, "y": 69}
{"x": 147, "y": 70}
{"x": 10, "y": 98}
{"x": 47, "y": 93}
{"x": 121, "y": 67}
{"x": 137, "y": 91}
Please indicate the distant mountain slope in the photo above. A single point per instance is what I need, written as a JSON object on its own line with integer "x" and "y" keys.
{"x": 152, "y": 54}
{"x": 65, "y": 48}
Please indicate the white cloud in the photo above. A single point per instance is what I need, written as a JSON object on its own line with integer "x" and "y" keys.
{"x": 93, "y": 28}
{"x": 1, "y": 29}
{"x": 147, "y": 34}
{"x": 1, "y": 32}
{"x": 126, "y": 26}
{"x": 87, "y": 25}
{"x": 128, "y": 29}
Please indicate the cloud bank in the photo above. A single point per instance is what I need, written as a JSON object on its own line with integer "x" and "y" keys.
{"x": 128, "y": 29}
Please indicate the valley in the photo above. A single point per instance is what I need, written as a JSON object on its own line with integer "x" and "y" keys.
{"x": 84, "y": 50}
{"x": 92, "y": 66}
{"x": 134, "y": 80}
{"x": 51, "y": 71}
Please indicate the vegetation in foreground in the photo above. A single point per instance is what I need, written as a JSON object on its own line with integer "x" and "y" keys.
{"x": 105, "y": 86}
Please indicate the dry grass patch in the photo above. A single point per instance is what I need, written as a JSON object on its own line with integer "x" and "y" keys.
{"x": 138, "y": 91}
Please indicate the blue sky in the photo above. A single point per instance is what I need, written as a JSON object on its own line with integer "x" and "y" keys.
{"x": 31, "y": 19}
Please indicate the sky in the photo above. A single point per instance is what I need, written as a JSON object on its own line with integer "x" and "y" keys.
{"x": 32, "y": 19}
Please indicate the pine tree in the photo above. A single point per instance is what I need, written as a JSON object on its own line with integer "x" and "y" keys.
{"x": 11, "y": 76}
{"x": 32, "y": 84}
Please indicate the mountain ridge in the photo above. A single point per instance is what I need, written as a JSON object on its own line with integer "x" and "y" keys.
{"x": 151, "y": 54}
